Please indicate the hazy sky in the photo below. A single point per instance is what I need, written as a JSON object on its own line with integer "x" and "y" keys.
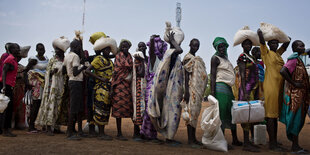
{"x": 28, "y": 22}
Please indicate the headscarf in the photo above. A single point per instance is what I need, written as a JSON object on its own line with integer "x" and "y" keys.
{"x": 123, "y": 40}
{"x": 216, "y": 42}
{"x": 95, "y": 36}
{"x": 160, "y": 47}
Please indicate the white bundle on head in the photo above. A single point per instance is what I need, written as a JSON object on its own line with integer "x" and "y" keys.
{"x": 62, "y": 43}
{"x": 244, "y": 34}
{"x": 138, "y": 54}
{"x": 103, "y": 42}
{"x": 272, "y": 32}
{"x": 78, "y": 35}
{"x": 178, "y": 33}
{"x": 24, "y": 51}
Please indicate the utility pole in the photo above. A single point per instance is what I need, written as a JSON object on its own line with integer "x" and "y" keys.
{"x": 178, "y": 16}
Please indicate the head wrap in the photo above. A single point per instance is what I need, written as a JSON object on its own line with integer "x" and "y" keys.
{"x": 123, "y": 40}
{"x": 217, "y": 41}
{"x": 160, "y": 47}
{"x": 95, "y": 36}
{"x": 106, "y": 42}
{"x": 62, "y": 43}
{"x": 178, "y": 33}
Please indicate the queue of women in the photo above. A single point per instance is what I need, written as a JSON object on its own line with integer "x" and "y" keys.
{"x": 152, "y": 90}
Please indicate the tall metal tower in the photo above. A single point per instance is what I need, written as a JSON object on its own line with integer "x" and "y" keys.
{"x": 178, "y": 16}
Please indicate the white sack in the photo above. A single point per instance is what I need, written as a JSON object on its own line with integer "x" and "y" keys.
{"x": 4, "y": 100}
{"x": 213, "y": 137}
{"x": 245, "y": 33}
{"x": 62, "y": 43}
{"x": 178, "y": 33}
{"x": 272, "y": 32}
{"x": 103, "y": 42}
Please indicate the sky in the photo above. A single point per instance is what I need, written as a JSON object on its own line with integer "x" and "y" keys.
{"x": 41, "y": 21}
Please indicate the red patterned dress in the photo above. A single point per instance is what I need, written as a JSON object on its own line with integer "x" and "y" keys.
{"x": 121, "y": 86}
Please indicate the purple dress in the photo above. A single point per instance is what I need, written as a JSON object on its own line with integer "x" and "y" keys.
{"x": 147, "y": 128}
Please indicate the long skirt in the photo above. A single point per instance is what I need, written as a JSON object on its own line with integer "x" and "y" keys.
{"x": 294, "y": 121}
{"x": 102, "y": 104}
{"x": 122, "y": 101}
{"x": 223, "y": 93}
{"x": 147, "y": 128}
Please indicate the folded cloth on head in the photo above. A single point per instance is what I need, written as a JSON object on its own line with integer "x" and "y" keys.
{"x": 106, "y": 42}
{"x": 178, "y": 33}
{"x": 24, "y": 51}
{"x": 244, "y": 34}
{"x": 62, "y": 43}
{"x": 95, "y": 36}
{"x": 138, "y": 54}
{"x": 272, "y": 32}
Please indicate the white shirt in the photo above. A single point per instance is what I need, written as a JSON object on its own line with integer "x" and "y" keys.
{"x": 72, "y": 60}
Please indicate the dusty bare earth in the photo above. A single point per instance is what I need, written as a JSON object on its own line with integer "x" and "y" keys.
{"x": 41, "y": 144}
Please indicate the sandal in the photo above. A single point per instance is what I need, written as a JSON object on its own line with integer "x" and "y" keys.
{"x": 105, "y": 137}
{"x": 173, "y": 143}
{"x": 121, "y": 138}
{"x": 301, "y": 151}
{"x": 33, "y": 132}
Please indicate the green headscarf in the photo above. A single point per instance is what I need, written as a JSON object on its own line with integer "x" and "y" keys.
{"x": 216, "y": 42}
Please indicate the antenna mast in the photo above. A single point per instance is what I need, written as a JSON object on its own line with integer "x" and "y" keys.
{"x": 178, "y": 16}
{"x": 83, "y": 20}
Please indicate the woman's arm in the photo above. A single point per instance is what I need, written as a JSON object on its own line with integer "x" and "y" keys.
{"x": 214, "y": 64}
{"x": 88, "y": 72}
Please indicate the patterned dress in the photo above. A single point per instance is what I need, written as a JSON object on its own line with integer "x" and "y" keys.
{"x": 198, "y": 78}
{"x": 251, "y": 77}
{"x": 147, "y": 129}
{"x": 121, "y": 86}
{"x": 138, "y": 93}
{"x": 102, "y": 106}
{"x": 19, "y": 91}
{"x": 296, "y": 100}
{"x": 36, "y": 77}
{"x": 164, "y": 102}
{"x": 52, "y": 94}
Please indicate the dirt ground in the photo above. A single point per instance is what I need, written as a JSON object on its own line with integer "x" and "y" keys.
{"x": 41, "y": 144}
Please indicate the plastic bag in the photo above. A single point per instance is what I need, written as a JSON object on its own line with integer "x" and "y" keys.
{"x": 213, "y": 137}
{"x": 4, "y": 101}
{"x": 247, "y": 112}
{"x": 28, "y": 98}
{"x": 86, "y": 128}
